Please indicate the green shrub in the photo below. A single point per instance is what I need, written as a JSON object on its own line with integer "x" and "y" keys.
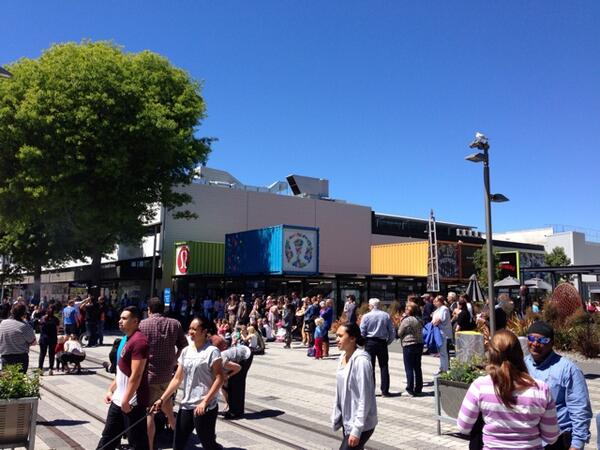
{"x": 464, "y": 372}
{"x": 14, "y": 384}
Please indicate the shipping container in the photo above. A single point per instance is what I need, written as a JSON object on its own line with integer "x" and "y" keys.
{"x": 205, "y": 258}
{"x": 282, "y": 249}
{"x": 403, "y": 259}
{"x": 455, "y": 259}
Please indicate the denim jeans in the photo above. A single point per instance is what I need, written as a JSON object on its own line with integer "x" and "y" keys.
{"x": 412, "y": 366}
{"x": 444, "y": 355}
{"x": 598, "y": 430}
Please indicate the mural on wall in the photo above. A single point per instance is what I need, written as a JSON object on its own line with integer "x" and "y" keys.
{"x": 528, "y": 259}
{"x": 299, "y": 249}
{"x": 448, "y": 260}
{"x": 233, "y": 258}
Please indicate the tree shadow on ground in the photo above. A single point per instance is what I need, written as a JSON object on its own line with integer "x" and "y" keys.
{"x": 61, "y": 423}
{"x": 264, "y": 414}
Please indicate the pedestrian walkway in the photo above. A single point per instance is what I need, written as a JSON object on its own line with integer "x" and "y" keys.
{"x": 288, "y": 405}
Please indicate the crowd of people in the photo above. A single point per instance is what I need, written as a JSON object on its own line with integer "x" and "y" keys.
{"x": 534, "y": 401}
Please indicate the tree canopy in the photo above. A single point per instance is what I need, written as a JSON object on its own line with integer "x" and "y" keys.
{"x": 91, "y": 139}
{"x": 480, "y": 263}
{"x": 557, "y": 257}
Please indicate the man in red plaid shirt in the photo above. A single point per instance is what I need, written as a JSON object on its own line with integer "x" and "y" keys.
{"x": 166, "y": 339}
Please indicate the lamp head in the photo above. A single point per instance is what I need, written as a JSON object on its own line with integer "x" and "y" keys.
{"x": 498, "y": 198}
{"x": 477, "y": 157}
{"x": 480, "y": 142}
{"x": 5, "y": 73}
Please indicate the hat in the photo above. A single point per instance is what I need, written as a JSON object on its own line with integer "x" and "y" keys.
{"x": 543, "y": 328}
{"x": 425, "y": 295}
{"x": 374, "y": 302}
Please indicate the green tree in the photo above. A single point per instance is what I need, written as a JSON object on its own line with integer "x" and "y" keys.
{"x": 480, "y": 263}
{"x": 91, "y": 139}
{"x": 557, "y": 257}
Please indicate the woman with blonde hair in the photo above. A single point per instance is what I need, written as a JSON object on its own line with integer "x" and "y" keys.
{"x": 517, "y": 411}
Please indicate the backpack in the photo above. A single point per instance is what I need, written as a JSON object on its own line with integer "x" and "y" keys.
{"x": 260, "y": 350}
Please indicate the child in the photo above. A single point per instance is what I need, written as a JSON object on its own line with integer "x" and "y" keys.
{"x": 250, "y": 338}
{"x": 319, "y": 337}
{"x": 59, "y": 349}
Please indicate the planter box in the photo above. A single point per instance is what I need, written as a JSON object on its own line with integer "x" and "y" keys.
{"x": 449, "y": 396}
{"x": 17, "y": 422}
{"x": 452, "y": 394}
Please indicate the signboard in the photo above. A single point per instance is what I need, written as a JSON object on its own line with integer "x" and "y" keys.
{"x": 300, "y": 250}
{"x": 509, "y": 264}
{"x": 182, "y": 259}
{"x": 167, "y": 297}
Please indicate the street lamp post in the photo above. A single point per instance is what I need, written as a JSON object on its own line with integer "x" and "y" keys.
{"x": 481, "y": 143}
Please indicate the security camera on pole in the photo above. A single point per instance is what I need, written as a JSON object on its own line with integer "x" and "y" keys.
{"x": 481, "y": 143}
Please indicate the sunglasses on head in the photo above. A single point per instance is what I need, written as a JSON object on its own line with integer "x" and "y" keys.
{"x": 540, "y": 340}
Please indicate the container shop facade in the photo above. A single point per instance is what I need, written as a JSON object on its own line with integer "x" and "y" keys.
{"x": 284, "y": 259}
{"x": 273, "y": 261}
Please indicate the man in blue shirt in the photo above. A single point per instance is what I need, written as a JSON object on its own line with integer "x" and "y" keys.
{"x": 378, "y": 330}
{"x": 567, "y": 384}
{"x": 70, "y": 318}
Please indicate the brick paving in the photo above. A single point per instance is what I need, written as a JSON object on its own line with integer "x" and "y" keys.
{"x": 289, "y": 398}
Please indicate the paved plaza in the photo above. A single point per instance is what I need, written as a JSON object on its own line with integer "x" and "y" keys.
{"x": 288, "y": 405}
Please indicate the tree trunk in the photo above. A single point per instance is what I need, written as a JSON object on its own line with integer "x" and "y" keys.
{"x": 37, "y": 283}
{"x": 96, "y": 275}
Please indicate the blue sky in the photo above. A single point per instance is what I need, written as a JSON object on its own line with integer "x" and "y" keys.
{"x": 380, "y": 97}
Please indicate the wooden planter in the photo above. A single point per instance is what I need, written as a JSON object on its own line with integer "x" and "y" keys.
{"x": 449, "y": 396}
{"x": 17, "y": 422}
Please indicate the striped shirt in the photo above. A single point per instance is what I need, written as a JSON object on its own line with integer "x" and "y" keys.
{"x": 15, "y": 337}
{"x": 531, "y": 420}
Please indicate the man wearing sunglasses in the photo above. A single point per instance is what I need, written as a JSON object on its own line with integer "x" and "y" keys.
{"x": 567, "y": 384}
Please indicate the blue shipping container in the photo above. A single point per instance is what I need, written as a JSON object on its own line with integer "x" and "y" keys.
{"x": 282, "y": 249}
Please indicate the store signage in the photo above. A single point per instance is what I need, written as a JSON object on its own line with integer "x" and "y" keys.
{"x": 167, "y": 296}
{"x": 182, "y": 259}
{"x": 508, "y": 265}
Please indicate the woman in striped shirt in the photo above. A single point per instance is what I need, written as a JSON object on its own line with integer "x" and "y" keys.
{"x": 518, "y": 411}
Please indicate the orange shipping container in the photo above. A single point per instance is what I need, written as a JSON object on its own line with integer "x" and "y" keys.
{"x": 404, "y": 259}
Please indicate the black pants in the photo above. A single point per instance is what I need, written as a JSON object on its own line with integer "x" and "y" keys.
{"x": 288, "y": 336}
{"x": 562, "y": 443}
{"x": 17, "y": 358}
{"x": 236, "y": 388}
{"x": 117, "y": 421}
{"x": 204, "y": 425}
{"x": 378, "y": 348}
{"x": 311, "y": 333}
{"x": 91, "y": 330}
{"x": 70, "y": 329}
{"x": 364, "y": 437}
{"x": 46, "y": 347}
{"x": 412, "y": 365}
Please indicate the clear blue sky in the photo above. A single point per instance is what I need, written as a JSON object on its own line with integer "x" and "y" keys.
{"x": 380, "y": 97}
